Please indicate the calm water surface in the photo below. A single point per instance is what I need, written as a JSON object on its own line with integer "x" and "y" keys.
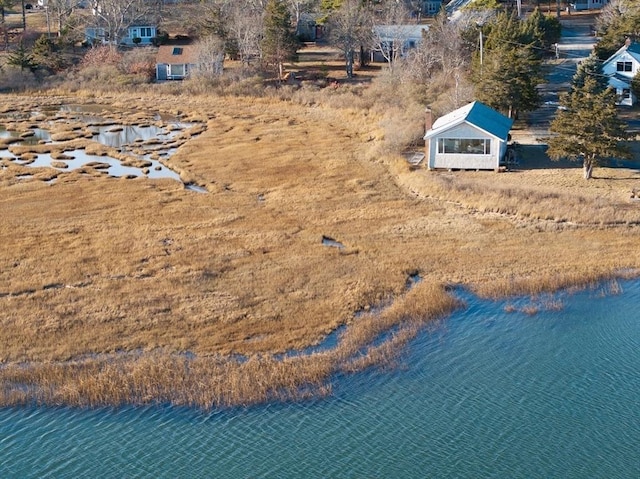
{"x": 483, "y": 394}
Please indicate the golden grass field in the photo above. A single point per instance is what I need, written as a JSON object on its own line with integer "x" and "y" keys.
{"x": 137, "y": 291}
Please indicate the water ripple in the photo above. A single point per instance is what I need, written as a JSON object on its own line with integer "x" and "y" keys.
{"x": 484, "y": 394}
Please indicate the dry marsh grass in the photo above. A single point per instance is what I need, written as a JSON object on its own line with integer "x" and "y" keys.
{"x": 138, "y": 291}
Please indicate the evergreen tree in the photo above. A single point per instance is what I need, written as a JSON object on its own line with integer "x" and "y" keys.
{"x": 46, "y": 54}
{"x": 635, "y": 85}
{"x": 590, "y": 67}
{"x": 510, "y": 69}
{"x": 216, "y": 21}
{"x": 543, "y": 30}
{"x": 587, "y": 127}
{"x": 23, "y": 58}
{"x": 279, "y": 43}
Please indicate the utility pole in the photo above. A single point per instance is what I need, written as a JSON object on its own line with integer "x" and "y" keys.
{"x": 481, "y": 48}
{"x": 46, "y": 10}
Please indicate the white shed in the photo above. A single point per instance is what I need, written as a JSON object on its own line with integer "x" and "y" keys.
{"x": 473, "y": 137}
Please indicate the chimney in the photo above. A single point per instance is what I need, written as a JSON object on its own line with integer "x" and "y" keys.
{"x": 428, "y": 123}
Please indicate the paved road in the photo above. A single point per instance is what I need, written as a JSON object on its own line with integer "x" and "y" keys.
{"x": 576, "y": 44}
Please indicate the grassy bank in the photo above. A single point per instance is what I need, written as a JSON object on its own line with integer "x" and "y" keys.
{"x": 132, "y": 290}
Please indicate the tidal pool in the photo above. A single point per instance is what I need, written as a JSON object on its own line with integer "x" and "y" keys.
{"x": 145, "y": 142}
{"x": 111, "y": 166}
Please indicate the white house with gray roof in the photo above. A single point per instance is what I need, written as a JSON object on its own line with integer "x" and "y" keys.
{"x": 473, "y": 137}
{"x": 394, "y": 41}
{"x": 621, "y": 67}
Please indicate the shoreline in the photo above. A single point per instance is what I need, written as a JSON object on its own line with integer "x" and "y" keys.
{"x": 243, "y": 271}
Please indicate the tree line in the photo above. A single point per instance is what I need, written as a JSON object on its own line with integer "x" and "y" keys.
{"x": 487, "y": 52}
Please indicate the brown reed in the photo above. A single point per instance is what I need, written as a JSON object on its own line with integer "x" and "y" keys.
{"x": 136, "y": 291}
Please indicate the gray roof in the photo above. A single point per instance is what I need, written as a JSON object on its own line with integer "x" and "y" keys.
{"x": 477, "y": 114}
{"x": 394, "y": 32}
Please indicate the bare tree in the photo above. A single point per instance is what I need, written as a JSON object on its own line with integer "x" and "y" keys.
{"x": 299, "y": 7}
{"x": 390, "y": 30}
{"x": 246, "y": 26}
{"x": 4, "y": 6}
{"x": 209, "y": 57}
{"x": 350, "y": 28}
{"x": 439, "y": 65}
{"x": 442, "y": 49}
{"x": 115, "y": 16}
{"x": 239, "y": 23}
{"x": 61, "y": 10}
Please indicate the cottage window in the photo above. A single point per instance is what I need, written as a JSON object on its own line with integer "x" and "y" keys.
{"x": 472, "y": 146}
{"x": 626, "y": 94}
{"x": 177, "y": 71}
{"x": 176, "y": 51}
{"x": 145, "y": 32}
{"x": 624, "y": 66}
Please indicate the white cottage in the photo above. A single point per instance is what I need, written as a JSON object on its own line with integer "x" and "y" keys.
{"x": 473, "y": 137}
{"x": 621, "y": 67}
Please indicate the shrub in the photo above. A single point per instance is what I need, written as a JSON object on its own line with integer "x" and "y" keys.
{"x": 100, "y": 56}
{"x": 139, "y": 62}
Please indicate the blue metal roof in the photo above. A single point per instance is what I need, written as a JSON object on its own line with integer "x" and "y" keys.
{"x": 477, "y": 114}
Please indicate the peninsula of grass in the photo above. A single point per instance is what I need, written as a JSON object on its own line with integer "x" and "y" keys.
{"x": 137, "y": 291}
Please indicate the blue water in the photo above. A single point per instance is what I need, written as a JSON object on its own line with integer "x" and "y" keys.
{"x": 485, "y": 393}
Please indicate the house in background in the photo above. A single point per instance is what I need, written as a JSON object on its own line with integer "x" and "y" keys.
{"x": 431, "y": 7}
{"x": 95, "y": 35}
{"x": 580, "y": 5}
{"x": 175, "y": 62}
{"x": 309, "y": 28}
{"x": 146, "y": 34}
{"x": 393, "y": 41}
{"x": 473, "y": 137}
{"x": 621, "y": 67}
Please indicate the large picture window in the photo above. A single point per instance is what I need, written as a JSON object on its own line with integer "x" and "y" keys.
{"x": 178, "y": 70}
{"x": 461, "y": 145}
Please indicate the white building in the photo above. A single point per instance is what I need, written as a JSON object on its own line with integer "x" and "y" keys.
{"x": 621, "y": 67}
{"x": 473, "y": 137}
{"x": 393, "y": 41}
{"x": 580, "y": 5}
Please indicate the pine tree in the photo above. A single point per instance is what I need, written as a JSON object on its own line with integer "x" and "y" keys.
{"x": 23, "y": 58}
{"x": 542, "y": 30}
{"x": 587, "y": 127}
{"x": 635, "y": 85}
{"x": 590, "y": 67}
{"x": 279, "y": 43}
{"x": 510, "y": 69}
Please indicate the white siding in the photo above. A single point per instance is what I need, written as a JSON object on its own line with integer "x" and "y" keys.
{"x": 465, "y": 161}
{"x": 610, "y": 68}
